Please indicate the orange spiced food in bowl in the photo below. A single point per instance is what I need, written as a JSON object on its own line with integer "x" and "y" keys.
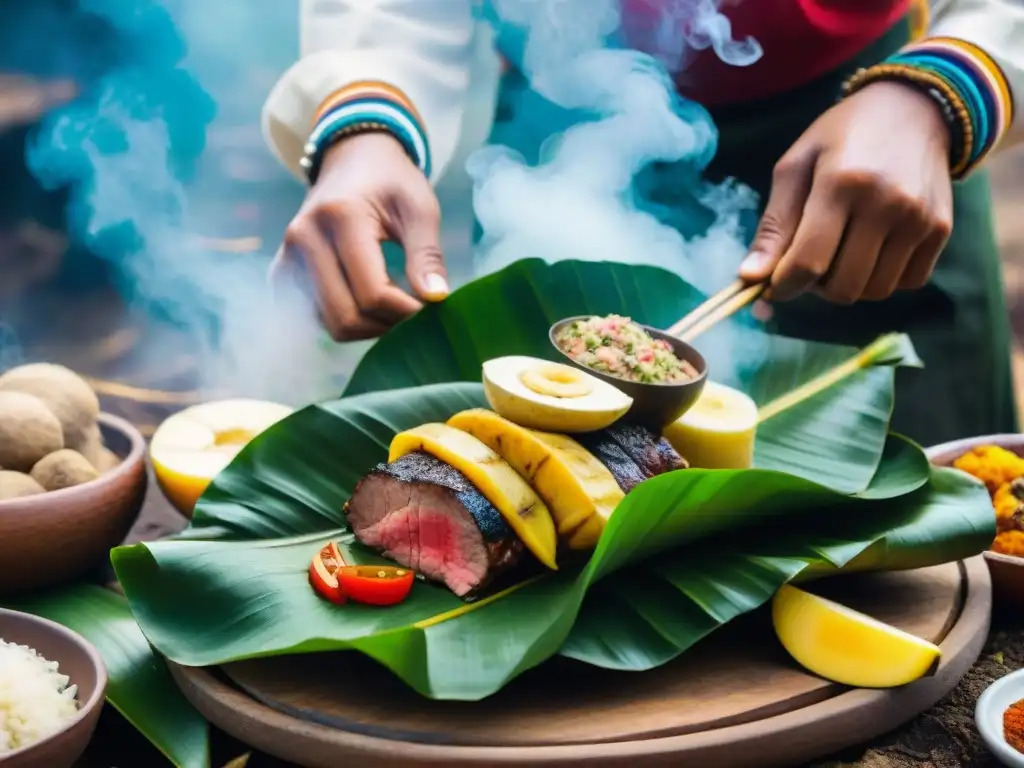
{"x": 1002, "y": 472}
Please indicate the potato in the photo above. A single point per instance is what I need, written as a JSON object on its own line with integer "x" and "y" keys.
{"x": 63, "y": 391}
{"x": 28, "y": 431}
{"x": 63, "y": 469}
{"x": 17, "y": 485}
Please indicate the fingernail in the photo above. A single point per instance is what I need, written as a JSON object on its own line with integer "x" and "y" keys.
{"x": 436, "y": 287}
{"x": 755, "y": 261}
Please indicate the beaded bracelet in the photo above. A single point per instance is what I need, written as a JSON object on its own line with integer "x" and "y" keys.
{"x": 954, "y": 111}
{"x": 366, "y": 106}
{"x": 314, "y": 152}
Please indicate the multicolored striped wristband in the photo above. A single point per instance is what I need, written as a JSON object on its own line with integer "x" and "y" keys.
{"x": 974, "y": 85}
{"x": 362, "y": 107}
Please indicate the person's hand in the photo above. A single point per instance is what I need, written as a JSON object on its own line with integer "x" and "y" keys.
{"x": 368, "y": 192}
{"x": 861, "y": 205}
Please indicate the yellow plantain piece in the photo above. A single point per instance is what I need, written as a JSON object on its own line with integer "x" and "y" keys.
{"x": 588, "y": 534}
{"x": 500, "y": 484}
{"x": 579, "y": 490}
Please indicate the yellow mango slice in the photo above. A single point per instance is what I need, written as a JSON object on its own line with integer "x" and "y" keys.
{"x": 846, "y": 646}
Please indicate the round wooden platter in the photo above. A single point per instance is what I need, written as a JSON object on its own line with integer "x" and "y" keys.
{"x": 736, "y": 699}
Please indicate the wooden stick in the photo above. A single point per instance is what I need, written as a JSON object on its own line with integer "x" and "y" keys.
{"x": 726, "y": 309}
{"x": 704, "y": 309}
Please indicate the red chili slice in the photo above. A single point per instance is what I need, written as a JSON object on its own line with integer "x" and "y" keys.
{"x": 323, "y": 574}
{"x": 375, "y": 584}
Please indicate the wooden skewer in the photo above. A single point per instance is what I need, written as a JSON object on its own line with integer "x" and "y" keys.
{"x": 704, "y": 309}
{"x": 723, "y": 304}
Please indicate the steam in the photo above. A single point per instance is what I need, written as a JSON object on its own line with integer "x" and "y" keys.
{"x": 144, "y": 195}
{"x": 10, "y": 348}
{"x": 681, "y": 27}
{"x": 621, "y": 114}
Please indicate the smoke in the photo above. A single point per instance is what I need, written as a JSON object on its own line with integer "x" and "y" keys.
{"x": 148, "y": 194}
{"x": 163, "y": 161}
{"x": 585, "y": 193}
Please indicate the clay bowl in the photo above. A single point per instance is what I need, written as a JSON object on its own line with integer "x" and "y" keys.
{"x": 1007, "y": 571}
{"x": 654, "y": 405}
{"x": 54, "y": 537}
{"x": 80, "y": 662}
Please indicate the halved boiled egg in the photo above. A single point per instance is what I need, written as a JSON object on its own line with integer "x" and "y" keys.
{"x": 552, "y": 397}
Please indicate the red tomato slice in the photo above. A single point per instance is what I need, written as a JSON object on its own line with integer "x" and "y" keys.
{"x": 322, "y": 574}
{"x": 375, "y": 584}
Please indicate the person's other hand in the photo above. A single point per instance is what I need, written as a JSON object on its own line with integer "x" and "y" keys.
{"x": 369, "y": 191}
{"x": 861, "y": 205}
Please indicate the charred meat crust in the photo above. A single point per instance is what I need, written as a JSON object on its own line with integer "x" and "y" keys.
{"x": 649, "y": 450}
{"x": 632, "y": 453}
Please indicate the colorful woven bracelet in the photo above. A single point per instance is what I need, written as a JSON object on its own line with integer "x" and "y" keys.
{"x": 951, "y": 105}
{"x": 979, "y": 84}
{"x": 360, "y": 108}
{"x": 987, "y": 83}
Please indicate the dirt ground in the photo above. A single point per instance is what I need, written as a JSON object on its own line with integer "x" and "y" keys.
{"x": 945, "y": 736}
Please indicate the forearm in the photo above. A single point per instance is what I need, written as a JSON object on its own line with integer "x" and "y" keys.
{"x": 403, "y": 64}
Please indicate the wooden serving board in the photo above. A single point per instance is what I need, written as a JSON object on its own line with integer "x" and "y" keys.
{"x": 736, "y": 699}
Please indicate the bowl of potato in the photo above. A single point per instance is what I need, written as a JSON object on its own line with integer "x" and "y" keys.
{"x": 72, "y": 479}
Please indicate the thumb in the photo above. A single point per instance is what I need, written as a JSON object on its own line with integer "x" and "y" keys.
{"x": 791, "y": 184}
{"x": 424, "y": 261}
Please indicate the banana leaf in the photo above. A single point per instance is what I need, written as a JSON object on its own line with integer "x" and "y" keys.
{"x": 509, "y": 313}
{"x": 209, "y": 602}
{"x": 946, "y": 520}
{"x": 140, "y": 687}
{"x": 830, "y": 487}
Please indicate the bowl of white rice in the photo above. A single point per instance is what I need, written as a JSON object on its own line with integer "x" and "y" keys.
{"x": 52, "y": 684}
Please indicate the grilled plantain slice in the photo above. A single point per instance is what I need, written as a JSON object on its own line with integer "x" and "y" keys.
{"x": 579, "y": 490}
{"x": 499, "y": 483}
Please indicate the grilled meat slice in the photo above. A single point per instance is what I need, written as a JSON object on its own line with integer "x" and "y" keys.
{"x": 425, "y": 515}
